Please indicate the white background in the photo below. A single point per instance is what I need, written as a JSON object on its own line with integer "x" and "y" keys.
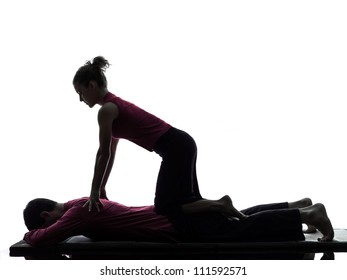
{"x": 260, "y": 85}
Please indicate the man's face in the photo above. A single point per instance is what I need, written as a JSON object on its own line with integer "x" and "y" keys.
{"x": 50, "y": 217}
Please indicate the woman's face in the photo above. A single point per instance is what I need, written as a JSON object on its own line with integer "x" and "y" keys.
{"x": 88, "y": 94}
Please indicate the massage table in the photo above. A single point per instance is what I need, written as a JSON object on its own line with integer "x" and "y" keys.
{"x": 81, "y": 247}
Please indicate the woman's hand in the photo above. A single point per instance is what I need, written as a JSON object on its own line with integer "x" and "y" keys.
{"x": 103, "y": 194}
{"x": 93, "y": 201}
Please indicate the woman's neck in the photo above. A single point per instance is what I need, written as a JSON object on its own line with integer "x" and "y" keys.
{"x": 102, "y": 95}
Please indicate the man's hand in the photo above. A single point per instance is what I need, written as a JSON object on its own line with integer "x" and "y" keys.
{"x": 93, "y": 201}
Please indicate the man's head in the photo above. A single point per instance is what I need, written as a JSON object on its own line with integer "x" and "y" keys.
{"x": 41, "y": 212}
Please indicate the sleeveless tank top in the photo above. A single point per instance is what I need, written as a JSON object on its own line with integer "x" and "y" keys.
{"x": 135, "y": 124}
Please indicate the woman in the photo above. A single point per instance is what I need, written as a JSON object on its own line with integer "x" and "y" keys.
{"x": 177, "y": 187}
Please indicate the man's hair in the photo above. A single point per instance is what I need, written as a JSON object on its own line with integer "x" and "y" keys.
{"x": 32, "y": 211}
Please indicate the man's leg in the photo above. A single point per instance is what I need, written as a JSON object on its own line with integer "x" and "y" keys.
{"x": 305, "y": 202}
{"x": 265, "y": 207}
{"x": 276, "y": 206}
{"x": 300, "y": 203}
{"x": 269, "y": 225}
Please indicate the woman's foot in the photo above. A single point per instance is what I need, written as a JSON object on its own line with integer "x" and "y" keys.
{"x": 229, "y": 210}
{"x": 223, "y": 206}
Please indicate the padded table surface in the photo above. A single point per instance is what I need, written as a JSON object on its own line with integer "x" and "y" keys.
{"x": 80, "y": 247}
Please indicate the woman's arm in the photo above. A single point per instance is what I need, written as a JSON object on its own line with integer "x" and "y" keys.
{"x": 109, "y": 168}
{"x": 103, "y": 164}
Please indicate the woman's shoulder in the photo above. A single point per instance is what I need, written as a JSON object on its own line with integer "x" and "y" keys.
{"x": 108, "y": 110}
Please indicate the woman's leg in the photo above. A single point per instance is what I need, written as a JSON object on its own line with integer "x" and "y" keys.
{"x": 177, "y": 185}
{"x": 223, "y": 205}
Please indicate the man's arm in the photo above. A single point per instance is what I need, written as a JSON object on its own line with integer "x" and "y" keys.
{"x": 67, "y": 226}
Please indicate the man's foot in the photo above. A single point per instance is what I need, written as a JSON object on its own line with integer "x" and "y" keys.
{"x": 310, "y": 229}
{"x": 318, "y": 217}
{"x": 305, "y": 202}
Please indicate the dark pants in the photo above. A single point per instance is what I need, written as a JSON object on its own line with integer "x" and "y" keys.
{"x": 269, "y": 222}
{"x": 177, "y": 181}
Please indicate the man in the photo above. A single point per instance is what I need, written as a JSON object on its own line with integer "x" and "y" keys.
{"x": 50, "y": 222}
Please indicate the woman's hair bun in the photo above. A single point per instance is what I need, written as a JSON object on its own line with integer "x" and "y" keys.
{"x": 92, "y": 70}
{"x": 99, "y": 62}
